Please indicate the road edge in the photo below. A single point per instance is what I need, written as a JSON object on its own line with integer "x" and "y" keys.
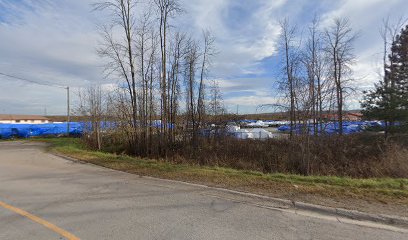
{"x": 288, "y": 204}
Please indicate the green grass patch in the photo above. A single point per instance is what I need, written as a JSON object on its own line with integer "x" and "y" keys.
{"x": 276, "y": 184}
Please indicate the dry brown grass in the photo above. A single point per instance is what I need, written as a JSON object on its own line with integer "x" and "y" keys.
{"x": 359, "y": 156}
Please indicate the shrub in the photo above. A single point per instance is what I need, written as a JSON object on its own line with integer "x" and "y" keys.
{"x": 359, "y": 155}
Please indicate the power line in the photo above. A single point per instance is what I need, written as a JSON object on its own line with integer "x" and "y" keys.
{"x": 44, "y": 83}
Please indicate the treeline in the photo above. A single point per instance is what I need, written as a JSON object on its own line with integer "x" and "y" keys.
{"x": 316, "y": 79}
{"x": 316, "y": 74}
{"x": 164, "y": 95}
{"x": 164, "y": 99}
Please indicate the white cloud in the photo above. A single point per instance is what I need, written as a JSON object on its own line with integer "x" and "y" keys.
{"x": 55, "y": 41}
{"x": 251, "y": 104}
{"x": 249, "y": 93}
{"x": 246, "y": 32}
{"x": 366, "y": 17}
{"x": 251, "y": 101}
{"x": 46, "y": 42}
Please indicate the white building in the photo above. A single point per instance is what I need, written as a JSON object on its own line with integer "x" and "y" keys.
{"x": 26, "y": 119}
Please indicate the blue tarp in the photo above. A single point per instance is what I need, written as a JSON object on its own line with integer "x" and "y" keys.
{"x": 77, "y": 128}
{"x": 56, "y": 129}
{"x": 284, "y": 128}
{"x": 333, "y": 127}
{"x": 36, "y": 130}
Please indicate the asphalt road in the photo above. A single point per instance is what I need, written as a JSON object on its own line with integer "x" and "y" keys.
{"x": 44, "y": 197}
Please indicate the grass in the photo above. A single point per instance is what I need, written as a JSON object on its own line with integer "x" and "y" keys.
{"x": 383, "y": 190}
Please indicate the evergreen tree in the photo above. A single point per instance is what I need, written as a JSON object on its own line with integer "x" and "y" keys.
{"x": 389, "y": 100}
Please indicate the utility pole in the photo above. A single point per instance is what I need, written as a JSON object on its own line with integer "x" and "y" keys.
{"x": 68, "y": 110}
{"x": 44, "y": 83}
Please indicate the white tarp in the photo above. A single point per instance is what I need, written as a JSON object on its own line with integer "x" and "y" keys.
{"x": 255, "y": 133}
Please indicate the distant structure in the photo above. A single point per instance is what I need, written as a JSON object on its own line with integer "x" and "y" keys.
{"x": 351, "y": 116}
{"x": 23, "y": 119}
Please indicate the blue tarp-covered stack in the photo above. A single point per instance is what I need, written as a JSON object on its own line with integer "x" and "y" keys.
{"x": 56, "y": 129}
{"x": 333, "y": 127}
{"x": 36, "y": 130}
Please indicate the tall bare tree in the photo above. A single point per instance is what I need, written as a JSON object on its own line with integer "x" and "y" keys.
{"x": 166, "y": 10}
{"x": 208, "y": 53}
{"x": 290, "y": 65}
{"x": 191, "y": 67}
{"x": 144, "y": 48}
{"x": 176, "y": 52}
{"x": 339, "y": 48}
{"x": 315, "y": 68}
{"x": 119, "y": 51}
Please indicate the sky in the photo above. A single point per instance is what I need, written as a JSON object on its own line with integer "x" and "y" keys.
{"x": 55, "y": 41}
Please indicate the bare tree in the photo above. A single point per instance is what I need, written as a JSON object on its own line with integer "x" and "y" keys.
{"x": 153, "y": 60}
{"x": 216, "y": 100}
{"x": 191, "y": 66}
{"x": 339, "y": 48}
{"x": 177, "y": 52}
{"x": 389, "y": 33}
{"x": 145, "y": 47}
{"x": 166, "y": 10}
{"x": 315, "y": 68}
{"x": 119, "y": 50}
{"x": 208, "y": 53}
{"x": 91, "y": 107}
{"x": 288, "y": 35}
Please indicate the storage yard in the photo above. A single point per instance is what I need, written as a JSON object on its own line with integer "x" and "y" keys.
{"x": 244, "y": 129}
